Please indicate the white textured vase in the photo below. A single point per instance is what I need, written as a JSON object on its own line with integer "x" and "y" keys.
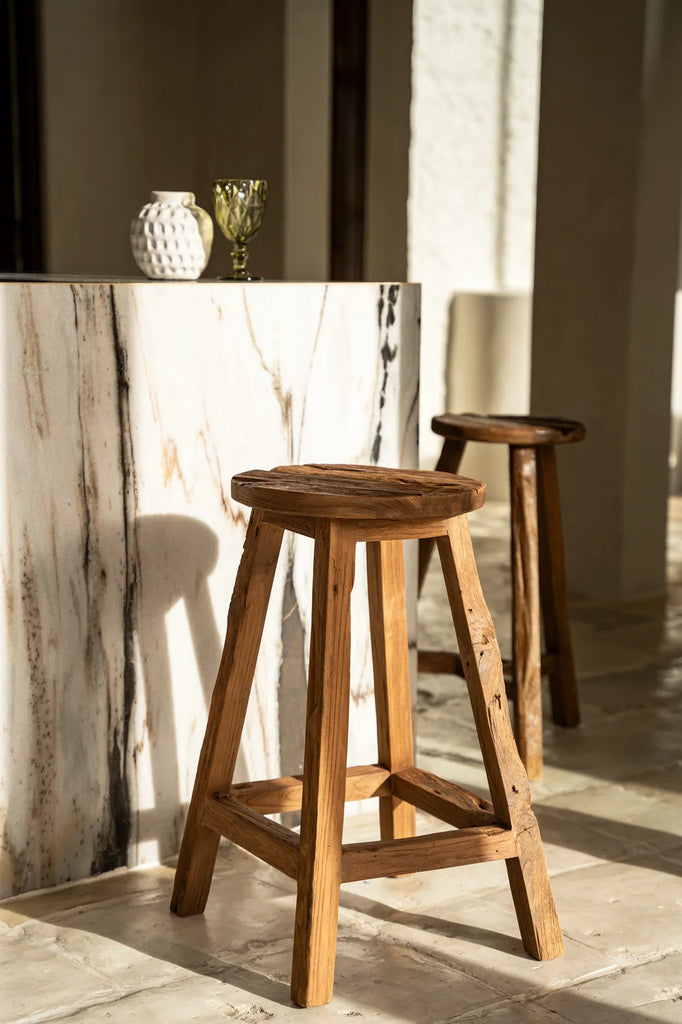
{"x": 171, "y": 237}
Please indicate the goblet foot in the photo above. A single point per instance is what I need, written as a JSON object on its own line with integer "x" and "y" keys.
{"x": 240, "y": 277}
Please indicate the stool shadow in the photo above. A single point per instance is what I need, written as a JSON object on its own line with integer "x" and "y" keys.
{"x": 428, "y": 924}
{"x": 192, "y": 944}
{"x": 176, "y": 556}
{"x": 97, "y": 658}
{"x": 593, "y": 835}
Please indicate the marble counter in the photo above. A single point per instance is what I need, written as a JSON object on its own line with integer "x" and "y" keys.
{"x": 127, "y": 407}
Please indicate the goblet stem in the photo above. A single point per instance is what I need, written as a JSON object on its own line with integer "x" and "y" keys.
{"x": 239, "y": 258}
{"x": 239, "y": 271}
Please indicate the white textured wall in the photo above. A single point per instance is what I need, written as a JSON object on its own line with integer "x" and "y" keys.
{"x": 475, "y": 69}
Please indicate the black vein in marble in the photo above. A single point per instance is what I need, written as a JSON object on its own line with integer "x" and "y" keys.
{"x": 114, "y": 841}
{"x": 412, "y": 416}
{"x": 87, "y": 516}
{"x": 388, "y": 355}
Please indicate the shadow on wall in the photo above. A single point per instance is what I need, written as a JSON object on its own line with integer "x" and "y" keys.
{"x": 93, "y": 711}
{"x": 176, "y": 556}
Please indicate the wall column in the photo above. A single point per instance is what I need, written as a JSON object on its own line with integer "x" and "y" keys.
{"x": 307, "y": 113}
{"x": 607, "y": 226}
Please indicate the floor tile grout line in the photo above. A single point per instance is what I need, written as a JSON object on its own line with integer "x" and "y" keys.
{"x": 119, "y": 995}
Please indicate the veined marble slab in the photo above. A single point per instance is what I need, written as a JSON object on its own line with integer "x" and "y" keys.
{"x": 126, "y": 410}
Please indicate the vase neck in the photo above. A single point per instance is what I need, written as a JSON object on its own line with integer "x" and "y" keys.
{"x": 174, "y": 198}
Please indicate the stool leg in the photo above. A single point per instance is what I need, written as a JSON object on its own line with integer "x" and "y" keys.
{"x": 509, "y": 789}
{"x": 450, "y": 458}
{"x": 324, "y": 767}
{"x": 388, "y": 630}
{"x": 563, "y": 686}
{"x": 245, "y": 621}
{"x": 526, "y": 608}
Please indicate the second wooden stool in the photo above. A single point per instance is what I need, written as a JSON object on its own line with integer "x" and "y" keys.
{"x": 538, "y": 576}
{"x": 339, "y": 506}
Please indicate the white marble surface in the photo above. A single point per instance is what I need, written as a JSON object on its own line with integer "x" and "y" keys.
{"x": 126, "y": 410}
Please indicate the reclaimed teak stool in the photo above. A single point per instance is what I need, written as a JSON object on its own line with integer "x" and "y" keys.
{"x": 538, "y": 576}
{"x": 339, "y": 506}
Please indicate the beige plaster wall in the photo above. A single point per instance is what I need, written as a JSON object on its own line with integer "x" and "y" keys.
{"x": 610, "y": 171}
{"x": 156, "y": 95}
{"x": 489, "y": 370}
{"x": 307, "y": 138}
{"x": 472, "y": 169}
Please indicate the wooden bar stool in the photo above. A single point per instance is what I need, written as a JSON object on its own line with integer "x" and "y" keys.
{"x": 536, "y": 538}
{"x": 339, "y": 506}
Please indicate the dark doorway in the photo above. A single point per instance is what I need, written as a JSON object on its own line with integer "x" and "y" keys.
{"x": 21, "y": 243}
{"x": 349, "y": 102}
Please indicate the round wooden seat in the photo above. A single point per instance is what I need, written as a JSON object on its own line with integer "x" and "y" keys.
{"x": 525, "y": 431}
{"x": 358, "y": 492}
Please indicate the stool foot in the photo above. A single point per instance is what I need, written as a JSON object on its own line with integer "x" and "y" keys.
{"x": 509, "y": 788}
{"x": 218, "y": 756}
{"x": 324, "y": 770}
{"x": 194, "y": 873}
{"x": 532, "y": 894}
{"x": 562, "y": 680}
{"x": 390, "y": 658}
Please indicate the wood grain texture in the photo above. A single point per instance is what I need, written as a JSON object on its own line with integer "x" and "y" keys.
{"x": 426, "y": 853}
{"x": 563, "y": 685}
{"x": 509, "y": 788}
{"x": 440, "y": 663}
{"x": 218, "y": 756}
{"x": 303, "y": 525}
{"x": 357, "y": 492}
{"x": 366, "y": 529}
{"x": 388, "y": 632}
{"x": 398, "y": 529}
{"x": 448, "y": 462}
{"x": 262, "y": 837}
{"x": 525, "y": 431}
{"x": 445, "y": 800}
{"x": 324, "y": 768}
{"x": 448, "y": 663}
{"x": 527, "y": 692}
{"x": 274, "y": 796}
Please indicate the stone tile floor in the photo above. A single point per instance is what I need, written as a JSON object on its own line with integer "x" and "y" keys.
{"x": 437, "y": 947}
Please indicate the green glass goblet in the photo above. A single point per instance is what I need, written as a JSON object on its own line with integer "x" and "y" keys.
{"x": 239, "y": 205}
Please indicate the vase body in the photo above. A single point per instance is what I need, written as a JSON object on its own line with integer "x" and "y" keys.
{"x": 171, "y": 237}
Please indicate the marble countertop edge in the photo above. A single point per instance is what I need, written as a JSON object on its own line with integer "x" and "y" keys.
{"x": 7, "y": 278}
